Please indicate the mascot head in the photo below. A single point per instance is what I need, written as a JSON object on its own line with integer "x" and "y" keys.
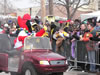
{"x": 25, "y": 22}
{"x": 35, "y": 27}
{"x": 26, "y": 17}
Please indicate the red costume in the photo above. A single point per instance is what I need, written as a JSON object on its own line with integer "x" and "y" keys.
{"x": 24, "y": 23}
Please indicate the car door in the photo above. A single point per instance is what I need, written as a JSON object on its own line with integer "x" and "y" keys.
{"x": 14, "y": 57}
{"x": 13, "y": 62}
{"x": 3, "y": 61}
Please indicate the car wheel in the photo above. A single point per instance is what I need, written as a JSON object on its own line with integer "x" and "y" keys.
{"x": 29, "y": 70}
{"x": 14, "y": 73}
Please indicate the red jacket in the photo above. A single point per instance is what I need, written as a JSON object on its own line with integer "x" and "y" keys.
{"x": 90, "y": 45}
{"x": 87, "y": 36}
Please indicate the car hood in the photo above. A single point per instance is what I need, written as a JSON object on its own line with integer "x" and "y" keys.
{"x": 46, "y": 55}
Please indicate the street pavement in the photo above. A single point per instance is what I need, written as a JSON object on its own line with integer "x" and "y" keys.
{"x": 67, "y": 73}
{"x": 78, "y": 73}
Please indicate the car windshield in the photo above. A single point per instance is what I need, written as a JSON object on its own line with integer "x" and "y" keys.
{"x": 37, "y": 43}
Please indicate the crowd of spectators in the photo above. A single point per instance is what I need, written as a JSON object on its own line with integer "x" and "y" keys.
{"x": 67, "y": 36}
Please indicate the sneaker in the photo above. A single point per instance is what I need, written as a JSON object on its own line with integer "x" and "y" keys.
{"x": 83, "y": 71}
{"x": 93, "y": 71}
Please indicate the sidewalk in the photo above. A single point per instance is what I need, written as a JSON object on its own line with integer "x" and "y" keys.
{"x": 67, "y": 73}
{"x": 78, "y": 73}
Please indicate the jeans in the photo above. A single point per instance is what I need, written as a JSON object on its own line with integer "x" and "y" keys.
{"x": 62, "y": 52}
{"x": 73, "y": 45}
{"x": 91, "y": 58}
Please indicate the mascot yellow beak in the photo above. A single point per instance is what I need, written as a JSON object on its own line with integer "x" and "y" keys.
{"x": 32, "y": 26}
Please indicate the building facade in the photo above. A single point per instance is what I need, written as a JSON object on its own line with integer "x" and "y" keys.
{"x": 94, "y": 5}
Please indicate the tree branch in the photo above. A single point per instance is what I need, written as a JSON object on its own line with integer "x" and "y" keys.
{"x": 62, "y": 2}
{"x": 75, "y": 9}
{"x": 61, "y": 10}
{"x": 72, "y": 3}
{"x": 84, "y": 4}
{"x": 68, "y": 8}
{"x": 78, "y": 3}
{"x": 68, "y": 5}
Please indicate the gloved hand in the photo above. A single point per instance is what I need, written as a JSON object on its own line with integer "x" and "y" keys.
{"x": 45, "y": 28}
{"x": 65, "y": 34}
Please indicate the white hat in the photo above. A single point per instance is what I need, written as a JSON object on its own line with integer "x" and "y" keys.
{"x": 6, "y": 25}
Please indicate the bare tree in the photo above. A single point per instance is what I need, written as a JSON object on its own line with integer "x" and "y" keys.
{"x": 50, "y": 7}
{"x": 6, "y": 7}
{"x": 71, "y": 6}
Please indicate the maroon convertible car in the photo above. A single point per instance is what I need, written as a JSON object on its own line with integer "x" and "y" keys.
{"x": 35, "y": 58}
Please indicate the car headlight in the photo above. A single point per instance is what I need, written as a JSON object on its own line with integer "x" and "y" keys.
{"x": 66, "y": 62}
{"x": 44, "y": 63}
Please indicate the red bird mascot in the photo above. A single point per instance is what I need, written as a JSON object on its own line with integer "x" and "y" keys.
{"x": 25, "y": 31}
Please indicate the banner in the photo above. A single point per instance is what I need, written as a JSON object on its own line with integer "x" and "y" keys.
{"x": 50, "y": 19}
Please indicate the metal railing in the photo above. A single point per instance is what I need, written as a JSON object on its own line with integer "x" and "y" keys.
{"x": 81, "y": 55}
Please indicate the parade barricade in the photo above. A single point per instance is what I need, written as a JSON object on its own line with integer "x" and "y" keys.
{"x": 82, "y": 56}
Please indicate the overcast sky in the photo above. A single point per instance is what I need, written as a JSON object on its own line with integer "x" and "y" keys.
{"x": 24, "y": 3}
{"x": 27, "y": 3}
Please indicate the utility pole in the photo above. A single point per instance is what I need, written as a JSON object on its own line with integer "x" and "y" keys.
{"x": 43, "y": 11}
{"x": 30, "y": 11}
{"x": 51, "y": 7}
{"x": 5, "y": 3}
